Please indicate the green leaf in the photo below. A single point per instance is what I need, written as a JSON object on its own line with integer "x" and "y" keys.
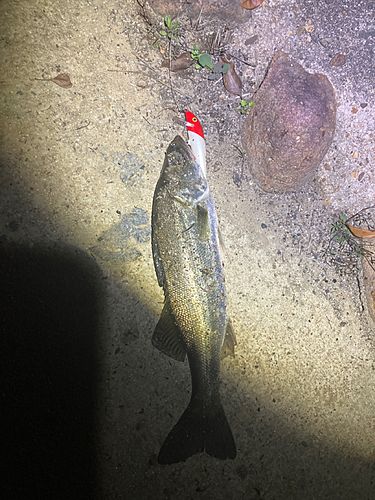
{"x": 243, "y": 102}
{"x": 198, "y": 66}
{"x": 251, "y": 104}
{"x": 218, "y": 67}
{"x": 167, "y": 22}
{"x": 163, "y": 33}
{"x": 205, "y": 60}
{"x": 225, "y": 68}
{"x": 195, "y": 53}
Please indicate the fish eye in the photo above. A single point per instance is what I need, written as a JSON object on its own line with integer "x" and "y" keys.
{"x": 194, "y": 119}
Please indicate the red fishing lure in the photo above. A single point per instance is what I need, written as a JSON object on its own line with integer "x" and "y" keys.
{"x": 196, "y": 139}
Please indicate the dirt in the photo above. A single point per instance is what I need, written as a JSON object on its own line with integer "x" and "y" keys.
{"x": 88, "y": 401}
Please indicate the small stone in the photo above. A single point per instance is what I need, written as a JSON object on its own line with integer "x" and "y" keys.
{"x": 184, "y": 61}
{"x": 237, "y": 179}
{"x": 310, "y": 27}
{"x": 338, "y": 60}
{"x": 251, "y": 40}
{"x": 142, "y": 84}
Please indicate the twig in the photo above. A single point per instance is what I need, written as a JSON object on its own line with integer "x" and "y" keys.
{"x": 199, "y": 18}
{"x": 166, "y": 85}
{"x": 168, "y": 109}
{"x": 219, "y": 80}
{"x": 83, "y": 126}
{"x": 124, "y": 71}
{"x": 159, "y": 81}
{"x": 146, "y": 119}
{"x": 169, "y": 74}
{"x": 245, "y": 62}
{"x": 144, "y": 62}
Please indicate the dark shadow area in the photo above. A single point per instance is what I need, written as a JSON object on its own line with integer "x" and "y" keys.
{"x": 49, "y": 371}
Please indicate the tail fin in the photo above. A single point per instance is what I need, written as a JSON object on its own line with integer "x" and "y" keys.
{"x": 199, "y": 429}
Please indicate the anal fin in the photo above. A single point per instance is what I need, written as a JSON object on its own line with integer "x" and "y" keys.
{"x": 229, "y": 342}
{"x": 167, "y": 336}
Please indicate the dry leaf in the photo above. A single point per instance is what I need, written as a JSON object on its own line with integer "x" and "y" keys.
{"x": 61, "y": 80}
{"x": 251, "y": 4}
{"x": 232, "y": 81}
{"x": 183, "y": 61}
{"x": 361, "y": 233}
{"x": 338, "y": 60}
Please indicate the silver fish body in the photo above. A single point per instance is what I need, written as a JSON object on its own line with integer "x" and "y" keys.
{"x": 194, "y": 320}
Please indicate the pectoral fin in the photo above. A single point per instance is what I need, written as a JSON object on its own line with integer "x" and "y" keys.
{"x": 203, "y": 223}
{"x": 229, "y": 342}
{"x": 167, "y": 336}
{"x": 223, "y": 251}
{"x": 158, "y": 267}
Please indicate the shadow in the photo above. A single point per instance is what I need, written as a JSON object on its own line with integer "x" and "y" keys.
{"x": 49, "y": 371}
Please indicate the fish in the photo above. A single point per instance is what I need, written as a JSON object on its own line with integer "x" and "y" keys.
{"x": 196, "y": 138}
{"x": 194, "y": 322}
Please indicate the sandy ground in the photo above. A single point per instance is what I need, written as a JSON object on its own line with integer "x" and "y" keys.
{"x": 88, "y": 401}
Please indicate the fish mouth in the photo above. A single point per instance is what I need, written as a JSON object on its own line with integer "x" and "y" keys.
{"x": 180, "y": 143}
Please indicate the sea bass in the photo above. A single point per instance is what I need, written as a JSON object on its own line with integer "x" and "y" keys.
{"x": 194, "y": 320}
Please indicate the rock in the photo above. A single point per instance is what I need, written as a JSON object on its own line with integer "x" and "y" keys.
{"x": 251, "y": 40}
{"x": 183, "y": 61}
{"x": 338, "y": 60}
{"x": 369, "y": 280}
{"x": 228, "y": 10}
{"x": 290, "y": 127}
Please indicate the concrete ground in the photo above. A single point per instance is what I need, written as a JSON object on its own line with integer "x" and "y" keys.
{"x": 86, "y": 401}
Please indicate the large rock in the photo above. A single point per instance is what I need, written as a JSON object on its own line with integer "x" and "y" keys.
{"x": 221, "y": 9}
{"x": 290, "y": 127}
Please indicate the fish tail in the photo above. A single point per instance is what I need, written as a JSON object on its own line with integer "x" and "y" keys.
{"x": 199, "y": 429}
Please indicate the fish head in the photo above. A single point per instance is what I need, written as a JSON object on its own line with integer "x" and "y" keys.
{"x": 186, "y": 182}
